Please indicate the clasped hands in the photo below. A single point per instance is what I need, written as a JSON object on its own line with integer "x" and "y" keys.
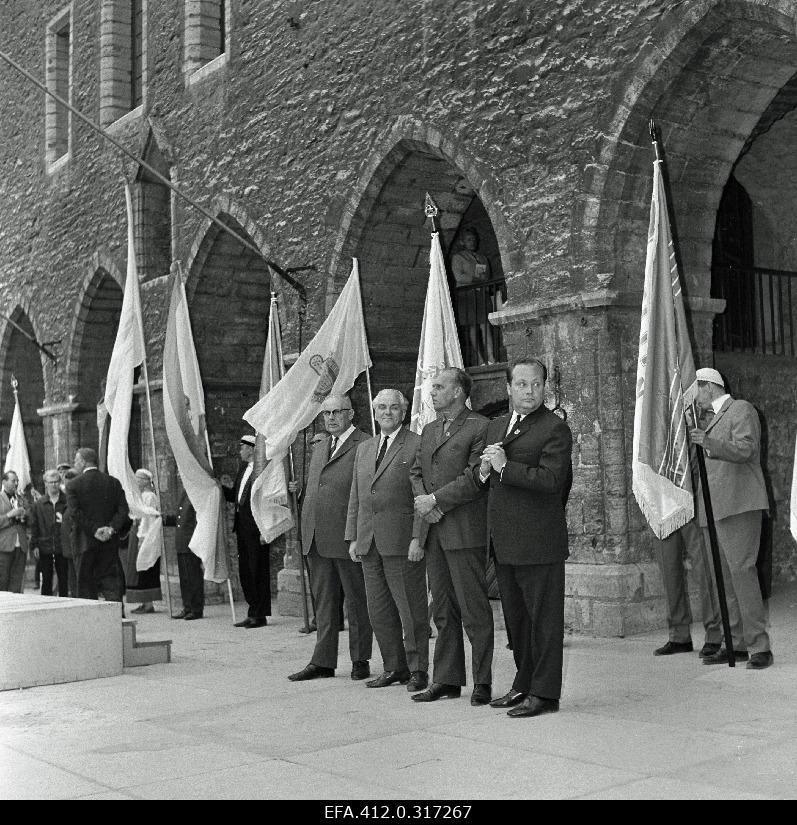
{"x": 426, "y": 507}
{"x": 493, "y": 458}
{"x": 103, "y": 533}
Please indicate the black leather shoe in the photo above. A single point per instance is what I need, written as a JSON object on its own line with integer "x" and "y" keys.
{"x": 360, "y": 670}
{"x": 312, "y": 672}
{"x": 389, "y": 677}
{"x": 721, "y": 657}
{"x": 709, "y": 649}
{"x": 673, "y": 647}
{"x": 257, "y": 623}
{"x": 182, "y": 614}
{"x": 481, "y": 695}
{"x": 243, "y": 623}
{"x": 758, "y": 661}
{"x": 437, "y": 691}
{"x": 418, "y": 681}
{"x": 508, "y": 700}
{"x": 189, "y": 617}
{"x": 534, "y": 706}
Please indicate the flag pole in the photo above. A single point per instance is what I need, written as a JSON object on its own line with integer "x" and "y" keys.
{"x": 701, "y": 461}
{"x": 367, "y": 368}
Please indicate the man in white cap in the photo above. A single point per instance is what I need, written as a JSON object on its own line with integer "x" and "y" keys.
{"x": 732, "y": 445}
{"x": 253, "y": 557}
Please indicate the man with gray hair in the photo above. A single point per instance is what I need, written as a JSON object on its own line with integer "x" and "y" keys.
{"x": 379, "y": 529}
{"x": 732, "y": 444}
{"x": 45, "y": 534}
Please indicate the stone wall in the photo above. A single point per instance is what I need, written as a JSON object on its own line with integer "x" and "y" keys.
{"x": 315, "y": 141}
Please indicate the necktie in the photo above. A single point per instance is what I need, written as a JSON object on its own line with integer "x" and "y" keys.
{"x": 333, "y": 445}
{"x": 382, "y": 451}
{"x": 513, "y": 422}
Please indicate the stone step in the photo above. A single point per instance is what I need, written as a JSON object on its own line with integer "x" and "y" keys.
{"x": 46, "y": 640}
{"x": 136, "y": 653}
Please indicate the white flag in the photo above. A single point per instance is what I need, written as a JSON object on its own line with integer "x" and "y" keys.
{"x": 329, "y": 365}
{"x": 793, "y": 504}
{"x": 184, "y": 417}
{"x": 17, "y": 459}
{"x": 439, "y": 346}
{"x": 269, "y": 494}
{"x": 128, "y": 353}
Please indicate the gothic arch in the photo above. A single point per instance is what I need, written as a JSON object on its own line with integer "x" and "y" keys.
{"x": 707, "y": 78}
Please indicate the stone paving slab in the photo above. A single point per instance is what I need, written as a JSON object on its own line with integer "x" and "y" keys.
{"x": 223, "y": 721}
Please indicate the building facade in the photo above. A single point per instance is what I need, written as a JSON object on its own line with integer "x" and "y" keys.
{"x": 315, "y": 129}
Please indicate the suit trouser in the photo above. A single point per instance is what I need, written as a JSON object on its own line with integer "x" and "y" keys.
{"x": 254, "y": 570}
{"x": 533, "y": 598}
{"x": 458, "y": 579}
{"x": 397, "y": 607}
{"x": 100, "y": 571}
{"x": 739, "y": 537}
{"x": 12, "y": 570}
{"x": 669, "y": 554}
{"x": 327, "y": 576}
{"x": 50, "y": 562}
{"x": 192, "y": 582}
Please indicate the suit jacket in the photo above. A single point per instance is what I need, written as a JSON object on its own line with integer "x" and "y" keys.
{"x": 526, "y": 505}
{"x": 733, "y": 462}
{"x": 243, "y": 522}
{"x": 446, "y": 467}
{"x": 45, "y": 529}
{"x": 381, "y": 502}
{"x": 10, "y": 529}
{"x": 184, "y": 519}
{"x": 326, "y": 496}
{"x": 95, "y": 499}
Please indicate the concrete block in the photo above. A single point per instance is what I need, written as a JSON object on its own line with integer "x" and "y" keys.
{"x": 289, "y": 593}
{"x": 46, "y": 640}
{"x": 136, "y": 653}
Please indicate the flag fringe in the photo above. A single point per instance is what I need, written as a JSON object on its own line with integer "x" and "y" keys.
{"x": 680, "y": 502}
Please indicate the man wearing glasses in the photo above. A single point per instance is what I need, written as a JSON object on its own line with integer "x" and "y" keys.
{"x": 324, "y": 507}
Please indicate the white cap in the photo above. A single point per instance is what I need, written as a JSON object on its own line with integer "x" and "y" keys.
{"x": 710, "y": 375}
{"x": 248, "y": 439}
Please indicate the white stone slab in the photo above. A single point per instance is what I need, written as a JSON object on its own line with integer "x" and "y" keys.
{"x": 45, "y": 640}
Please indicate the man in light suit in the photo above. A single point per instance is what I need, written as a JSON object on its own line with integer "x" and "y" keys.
{"x": 98, "y": 512}
{"x": 379, "y": 528}
{"x": 13, "y": 536}
{"x": 254, "y": 568}
{"x": 450, "y": 524}
{"x": 527, "y": 465}
{"x": 732, "y": 444}
{"x": 324, "y": 511}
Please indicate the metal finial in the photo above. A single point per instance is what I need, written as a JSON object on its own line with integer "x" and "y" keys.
{"x": 430, "y": 207}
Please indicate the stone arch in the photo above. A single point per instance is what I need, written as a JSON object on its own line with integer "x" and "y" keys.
{"x": 229, "y": 291}
{"x": 94, "y": 326}
{"x": 706, "y": 78}
{"x": 384, "y": 226}
{"x": 22, "y": 359}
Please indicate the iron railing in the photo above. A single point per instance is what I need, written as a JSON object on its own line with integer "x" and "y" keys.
{"x": 760, "y": 312}
{"x": 481, "y": 342}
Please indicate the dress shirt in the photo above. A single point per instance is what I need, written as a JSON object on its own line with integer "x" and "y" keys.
{"x": 340, "y": 439}
{"x": 244, "y": 479}
{"x": 718, "y": 402}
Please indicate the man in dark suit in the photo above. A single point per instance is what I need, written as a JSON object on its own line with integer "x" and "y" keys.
{"x": 98, "y": 512}
{"x": 45, "y": 534}
{"x": 527, "y": 465}
{"x": 324, "y": 509}
{"x": 450, "y": 525}
{"x": 379, "y": 526}
{"x": 253, "y": 556}
{"x": 189, "y": 566}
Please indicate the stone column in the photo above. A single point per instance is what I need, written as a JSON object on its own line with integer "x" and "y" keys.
{"x": 613, "y": 583}
{"x": 60, "y": 433}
